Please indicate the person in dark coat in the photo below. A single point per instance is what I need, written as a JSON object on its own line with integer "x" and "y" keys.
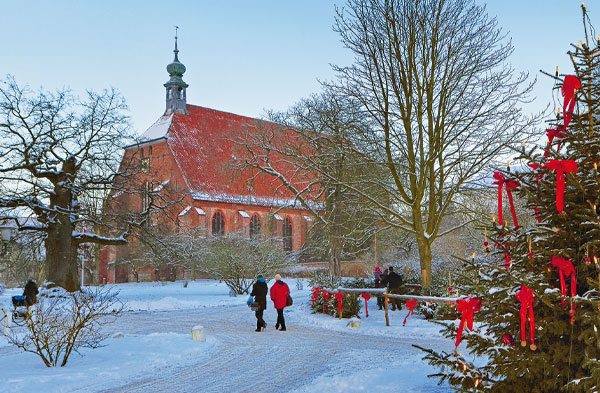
{"x": 393, "y": 281}
{"x": 259, "y": 291}
{"x": 30, "y": 293}
{"x": 279, "y": 294}
{"x": 377, "y": 274}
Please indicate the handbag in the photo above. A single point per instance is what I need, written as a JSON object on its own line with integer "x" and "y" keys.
{"x": 255, "y": 306}
{"x": 289, "y": 301}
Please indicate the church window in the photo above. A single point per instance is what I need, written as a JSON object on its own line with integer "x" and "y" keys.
{"x": 254, "y": 226}
{"x": 218, "y": 224}
{"x": 287, "y": 235}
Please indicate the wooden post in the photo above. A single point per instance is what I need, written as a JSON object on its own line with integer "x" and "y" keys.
{"x": 385, "y": 304}
{"x": 340, "y": 313}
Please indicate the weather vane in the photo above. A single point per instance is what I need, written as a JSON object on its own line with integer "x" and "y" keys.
{"x": 176, "y": 28}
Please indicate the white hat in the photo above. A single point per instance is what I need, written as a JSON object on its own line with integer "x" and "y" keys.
{"x": 277, "y": 277}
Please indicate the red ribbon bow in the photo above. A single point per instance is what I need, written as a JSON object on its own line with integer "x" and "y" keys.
{"x": 315, "y": 294}
{"x": 525, "y": 296}
{"x": 366, "y": 296}
{"x": 561, "y": 167}
{"x": 568, "y": 88}
{"x": 339, "y": 296}
{"x": 510, "y": 184}
{"x": 467, "y": 307}
{"x": 560, "y": 132}
{"x": 565, "y": 268}
{"x": 411, "y": 305}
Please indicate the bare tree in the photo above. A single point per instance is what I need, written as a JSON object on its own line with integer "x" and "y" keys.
{"x": 58, "y": 154}
{"x": 313, "y": 138}
{"x": 432, "y": 79}
{"x": 62, "y": 322}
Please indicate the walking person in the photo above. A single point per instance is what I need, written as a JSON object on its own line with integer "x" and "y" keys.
{"x": 279, "y": 294}
{"x": 377, "y": 274}
{"x": 259, "y": 291}
{"x": 30, "y": 292}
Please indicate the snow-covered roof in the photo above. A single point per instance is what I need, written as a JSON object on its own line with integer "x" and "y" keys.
{"x": 157, "y": 130}
{"x": 200, "y": 211}
{"x": 161, "y": 185}
{"x": 243, "y": 214}
{"x": 307, "y": 218}
{"x": 185, "y": 211}
{"x": 277, "y": 217}
{"x": 251, "y": 200}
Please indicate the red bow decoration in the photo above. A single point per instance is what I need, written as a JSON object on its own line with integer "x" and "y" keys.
{"x": 568, "y": 88}
{"x": 560, "y": 132}
{"x": 525, "y": 296}
{"x": 315, "y": 294}
{"x": 467, "y": 307}
{"x": 510, "y": 184}
{"x": 366, "y": 296}
{"x": 561, "y": 167}
{"x": 339, "y": 296}
{"x": 565, "y": 268}
{"x": 326, "y": 296}
{"x": 411, "y": 305}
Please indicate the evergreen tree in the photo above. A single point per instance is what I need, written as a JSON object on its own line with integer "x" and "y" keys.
{"x": 565, "y": 354}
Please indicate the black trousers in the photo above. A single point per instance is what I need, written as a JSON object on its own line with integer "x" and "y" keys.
{"x": 280, "y": 319}
{"x": 259, "y": 318}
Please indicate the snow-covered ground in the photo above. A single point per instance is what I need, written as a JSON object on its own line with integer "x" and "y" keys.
{"x": 156, "y": 353}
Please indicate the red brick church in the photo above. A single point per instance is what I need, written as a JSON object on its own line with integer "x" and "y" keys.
{"x": 190, "y": 154}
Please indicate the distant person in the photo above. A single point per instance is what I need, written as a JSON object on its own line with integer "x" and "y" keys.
{"x": 279, "y": 294}
{"x": 394, "y": 282}
{"x": 377, "y": 274}
{"x": 31, "y": 291}
{"x": 259, "y": 291}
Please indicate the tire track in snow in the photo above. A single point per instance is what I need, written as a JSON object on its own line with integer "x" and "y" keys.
{"x": 247, "y": 361}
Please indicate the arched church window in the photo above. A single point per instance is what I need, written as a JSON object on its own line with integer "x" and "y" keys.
{"x": 287, "y": 234}
{"x": 255, "y": 225}
{"x": 169, "y": 94}
{"x": 218, "y": 224}
{"x": 180, "y": 93}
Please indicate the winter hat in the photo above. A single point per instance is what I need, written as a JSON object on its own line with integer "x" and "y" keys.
{"x": 277, "y": 277}
{"x": 377, "y": 269}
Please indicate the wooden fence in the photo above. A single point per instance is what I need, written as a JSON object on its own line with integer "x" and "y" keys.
{"x": 384, "y": 292}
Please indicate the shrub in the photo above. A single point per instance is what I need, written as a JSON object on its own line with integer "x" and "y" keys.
{"x": 63, "y": 322}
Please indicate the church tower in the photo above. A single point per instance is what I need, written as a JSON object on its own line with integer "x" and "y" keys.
{"x": 175, "y": 86}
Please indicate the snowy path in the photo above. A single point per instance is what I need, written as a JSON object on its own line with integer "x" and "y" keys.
{"x": 270, "y": 361}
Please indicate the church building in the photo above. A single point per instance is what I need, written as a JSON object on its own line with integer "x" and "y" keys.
{"x": 190, "y": 153}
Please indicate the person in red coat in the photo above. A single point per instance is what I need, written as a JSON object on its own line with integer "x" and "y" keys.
{"x": 279, "y": 295}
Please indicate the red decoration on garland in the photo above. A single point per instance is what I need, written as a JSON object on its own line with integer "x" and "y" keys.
{"x": 326, "y": 296}
{"x": 507, "y": 260}
{"x": 315, "y": 294}
{"x": 411, "y": 305}
{"x": 366, "y": 296}
{"x": 570, "y": 85}
{"x": 508, "y": 340}
{"x": 525, "y": 296}
{"x": 340, "y": 296}
{"x": 561, "y": 167}
{"x": 467, "y": 307}
{"x": 510, "y": 184}
{"x": 565, "y": 268}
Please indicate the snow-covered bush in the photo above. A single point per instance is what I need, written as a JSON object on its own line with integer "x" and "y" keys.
{"x": 63, "y": 322}
{"x": 237, "y": 261}
{"x": 1, "y": 289}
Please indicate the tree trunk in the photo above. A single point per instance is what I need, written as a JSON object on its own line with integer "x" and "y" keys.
{"x": 61, "y": 256}
{"x": 335, "y": 267}
{"x": 61, "y": 252}
{"x": 425, "y": 260}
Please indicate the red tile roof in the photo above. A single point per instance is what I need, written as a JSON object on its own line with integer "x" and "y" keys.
{"x": 204, "y": 149}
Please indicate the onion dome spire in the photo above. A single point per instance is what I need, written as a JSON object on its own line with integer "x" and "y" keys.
{"x": 175, "y": 86}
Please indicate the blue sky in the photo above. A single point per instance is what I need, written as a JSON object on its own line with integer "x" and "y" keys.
{"x": 241, "y": 56}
